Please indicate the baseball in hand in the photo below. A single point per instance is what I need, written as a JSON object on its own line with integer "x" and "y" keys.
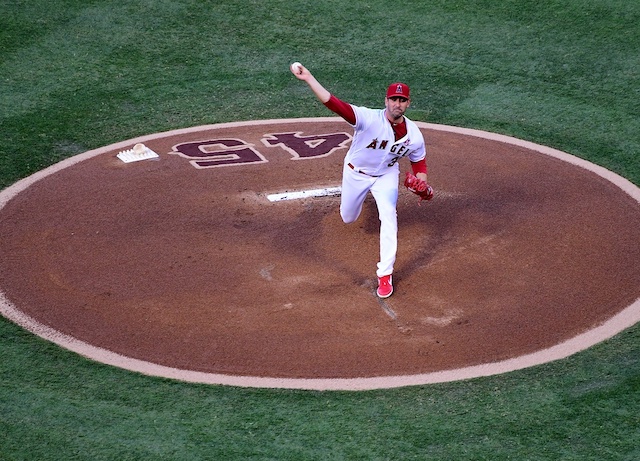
{"x": 296, "y": 68}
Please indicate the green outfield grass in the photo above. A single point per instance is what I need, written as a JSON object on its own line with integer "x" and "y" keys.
{"x": 77, "y": 75}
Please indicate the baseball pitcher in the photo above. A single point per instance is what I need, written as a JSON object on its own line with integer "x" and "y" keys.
{"x": 381, "y": 137}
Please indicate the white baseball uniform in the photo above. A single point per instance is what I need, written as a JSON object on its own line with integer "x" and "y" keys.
{"x": 371, "y": 164}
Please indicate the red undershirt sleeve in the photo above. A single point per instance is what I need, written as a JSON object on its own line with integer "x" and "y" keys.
{"x": 419, "y": 167}
{"x": 341, "y": 108}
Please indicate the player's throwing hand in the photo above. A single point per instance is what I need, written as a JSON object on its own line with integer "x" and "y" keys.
{"x": 299, "y": 70}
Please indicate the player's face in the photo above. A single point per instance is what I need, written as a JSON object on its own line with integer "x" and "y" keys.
{"x": 396, "y": 107}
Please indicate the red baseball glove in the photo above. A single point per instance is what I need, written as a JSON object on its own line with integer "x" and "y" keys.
{"x": 418, "y": 187}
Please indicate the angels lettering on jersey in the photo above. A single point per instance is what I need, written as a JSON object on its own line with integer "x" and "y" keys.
{"x": 398, "y": 150}
{"x": 401, "y": 152}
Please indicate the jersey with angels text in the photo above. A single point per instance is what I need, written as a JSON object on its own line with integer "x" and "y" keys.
{"x": 374, "y": 150}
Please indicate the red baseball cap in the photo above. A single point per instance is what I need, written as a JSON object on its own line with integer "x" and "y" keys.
{"x": 398, "y": 89}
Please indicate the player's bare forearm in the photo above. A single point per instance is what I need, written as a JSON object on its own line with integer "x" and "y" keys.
{"x": 422, "y": 176}
{"x": 321, "y": 92}
{"x": 302, "y": 73}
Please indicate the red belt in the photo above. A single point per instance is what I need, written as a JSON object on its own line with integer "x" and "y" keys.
{"x": 361, "y": 172}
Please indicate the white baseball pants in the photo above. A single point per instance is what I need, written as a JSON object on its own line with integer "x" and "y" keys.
{"x": 384, "y": 189}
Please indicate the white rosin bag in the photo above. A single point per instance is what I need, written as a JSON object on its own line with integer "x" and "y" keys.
{"x": 137, "y": 153}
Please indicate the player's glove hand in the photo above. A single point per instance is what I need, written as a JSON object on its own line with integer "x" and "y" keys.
{"x": 418, "y": 187}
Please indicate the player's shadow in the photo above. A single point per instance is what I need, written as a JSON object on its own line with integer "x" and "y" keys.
{"x": 443, "y": 221}
{"x": 299, "y": 236}
{"x": 438, "y": 224}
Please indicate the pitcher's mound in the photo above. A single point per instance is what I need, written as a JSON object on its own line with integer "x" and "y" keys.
{"x": 183, "y": 263}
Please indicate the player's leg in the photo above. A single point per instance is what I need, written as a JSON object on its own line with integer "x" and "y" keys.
{"x": 354, "y": 190}
{"x": 385, "y": 191}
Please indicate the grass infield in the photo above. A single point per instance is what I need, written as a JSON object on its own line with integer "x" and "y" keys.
{"x": 77, "y": 75}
